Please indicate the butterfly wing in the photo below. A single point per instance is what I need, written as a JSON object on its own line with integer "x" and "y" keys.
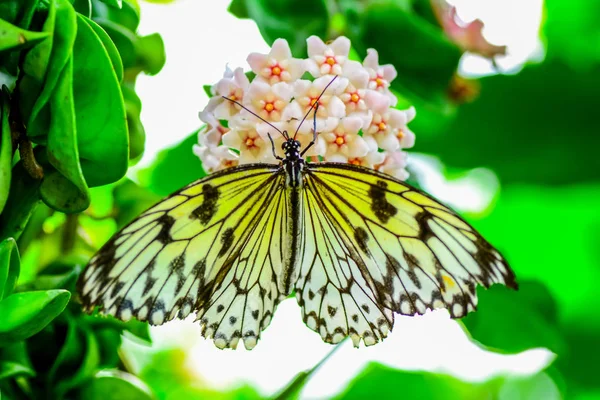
{"x": 213, "y": 248}
{"x": 374, "y": 246}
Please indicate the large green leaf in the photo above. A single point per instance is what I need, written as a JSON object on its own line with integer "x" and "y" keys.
{"x": 102, "y": 137}
{"x": 6, "y": 151}
{"x": 24, "y": 314}
{"x": 64, "y": 189}
{"x": 111, "y": 49}
{"x": 9, "y": 266}
{"x": 13, "y": 38}
{"x": 64, "y": 33}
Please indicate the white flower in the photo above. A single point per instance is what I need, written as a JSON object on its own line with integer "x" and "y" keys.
{"x": 403, "y": 133}
{"x": 394, "y": 164}
{"x": 244, "y": 137}
{"x": 215, "y": 158}
{"x": 306, "y": 94}
{"x": 326, "y": 59}
{"x": 343, "y": 141}
{"x": 372, "y": 158}
{"x": 211, "y": 135}
{"x": 267, "y": 101}
{"x": 233, "y": 86}
{"x": 278, "y": 65}
{"x": 380, "y": 76}
{"x": 389, "y": 125}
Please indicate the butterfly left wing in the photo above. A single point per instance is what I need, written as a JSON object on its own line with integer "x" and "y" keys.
{"x": 213, "y": 248}
{"x": 374, "y": 246}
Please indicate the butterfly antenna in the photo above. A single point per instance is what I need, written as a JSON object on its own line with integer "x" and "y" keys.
{"x": 284, "y": 134}
{"x": 314, "y": 104}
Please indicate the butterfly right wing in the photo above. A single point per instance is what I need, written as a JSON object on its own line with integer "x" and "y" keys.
{"x": 213, "y": 248}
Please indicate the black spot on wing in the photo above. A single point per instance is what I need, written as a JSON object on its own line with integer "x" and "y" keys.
{"x": 381, "y": 207}
{"x": 226, "y": 241}
{"x": 208, "y": 208}
{"x": 361, "y": 237}
{"x": 166, "y": 222}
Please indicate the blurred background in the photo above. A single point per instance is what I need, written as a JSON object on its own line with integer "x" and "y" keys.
{"x": 506, "y": 94}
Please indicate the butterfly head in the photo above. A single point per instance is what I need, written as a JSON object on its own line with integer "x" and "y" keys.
{"x": 291, "y": 148}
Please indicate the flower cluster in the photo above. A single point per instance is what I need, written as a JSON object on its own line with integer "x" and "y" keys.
{"x": 356, "y": 121}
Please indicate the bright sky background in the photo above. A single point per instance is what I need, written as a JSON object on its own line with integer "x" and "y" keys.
{"x": 200, "y": 38}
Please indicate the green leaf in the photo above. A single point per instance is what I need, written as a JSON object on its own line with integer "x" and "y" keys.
{"x": 128, "y": 16}
{"x": 65, "y": 30}
{"x": 13, "y": 38}
{"x": 65, "y": 189}
{"x": 137, "y": 133}
{"x": 24, "y": 198}
{"x": 109, "y": 46}
{"x": 151, "y": 54}
{"x": 99, "y": 110}
{"x": 9, "y": 266}
{"x": 238, "y": 8}
{"x": 293, "y": 20}
{"x": 173, "y": 168}
{"x": 72, "y": 372}
{"x": 83, "y": 7}
{"x": 116, "y": 385}
{"x": 25, "y": 314}
{"x": 6, "y": 151}
{"x": 9, "y": 369}
{"x": 123, "y": 38}
{"x": 532, "y": 321}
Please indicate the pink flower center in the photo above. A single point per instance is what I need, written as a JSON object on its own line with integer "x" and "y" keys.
{"x": 269, "y": 107}
{"x": 354, "y": 97}
{"x": 340, "y": 140}
{"x": 381, "y": 126}
{"x": 354, "y": 161}
{"x": 400, "y": 134}
{"x": 379, "y": 81}
{"x": 249, "y": 142}
{"x": 276, "y": 70}
{"x": 330, "y": 60}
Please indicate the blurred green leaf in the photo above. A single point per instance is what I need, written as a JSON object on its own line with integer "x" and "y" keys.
{"x": 131, "y": 200}
{"x": 6, "y": 150}
{"x": 12, "y": 37}
{"x": 25, "y": 314}
{"x": 578, "y": 364}
{"x": 99, "y": 110}
{"x": 9, "y": 369}
{"x": 522, "y": 125}
{"x": 83, "y": 7}
{"x": 113, "y": 3}
{"x": 137, "y": 133}
{"x": 173, "y": 168}
{"x": 573, "y": 33}
{"x": 516, "y": 321}
{"x": 293, "y": 20}
{"x": 9, "y": 266}
{"x": 116, "y": 385}
{"x": 151, "y": 54}
{"x": 550, "y": 234}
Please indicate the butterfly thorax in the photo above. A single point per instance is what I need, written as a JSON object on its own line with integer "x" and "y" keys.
{"x": 293, "y": 164}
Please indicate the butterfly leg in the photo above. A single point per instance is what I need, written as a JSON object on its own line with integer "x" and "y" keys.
{"x": 314, "y": 131}
{"x": 273, "y": 147}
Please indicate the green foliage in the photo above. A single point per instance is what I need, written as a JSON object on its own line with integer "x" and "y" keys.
{"x": 65, "y": 127}
{"x": 70, "y": 126}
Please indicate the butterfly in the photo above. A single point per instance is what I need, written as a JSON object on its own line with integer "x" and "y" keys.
{"x": 355, "y": 245}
